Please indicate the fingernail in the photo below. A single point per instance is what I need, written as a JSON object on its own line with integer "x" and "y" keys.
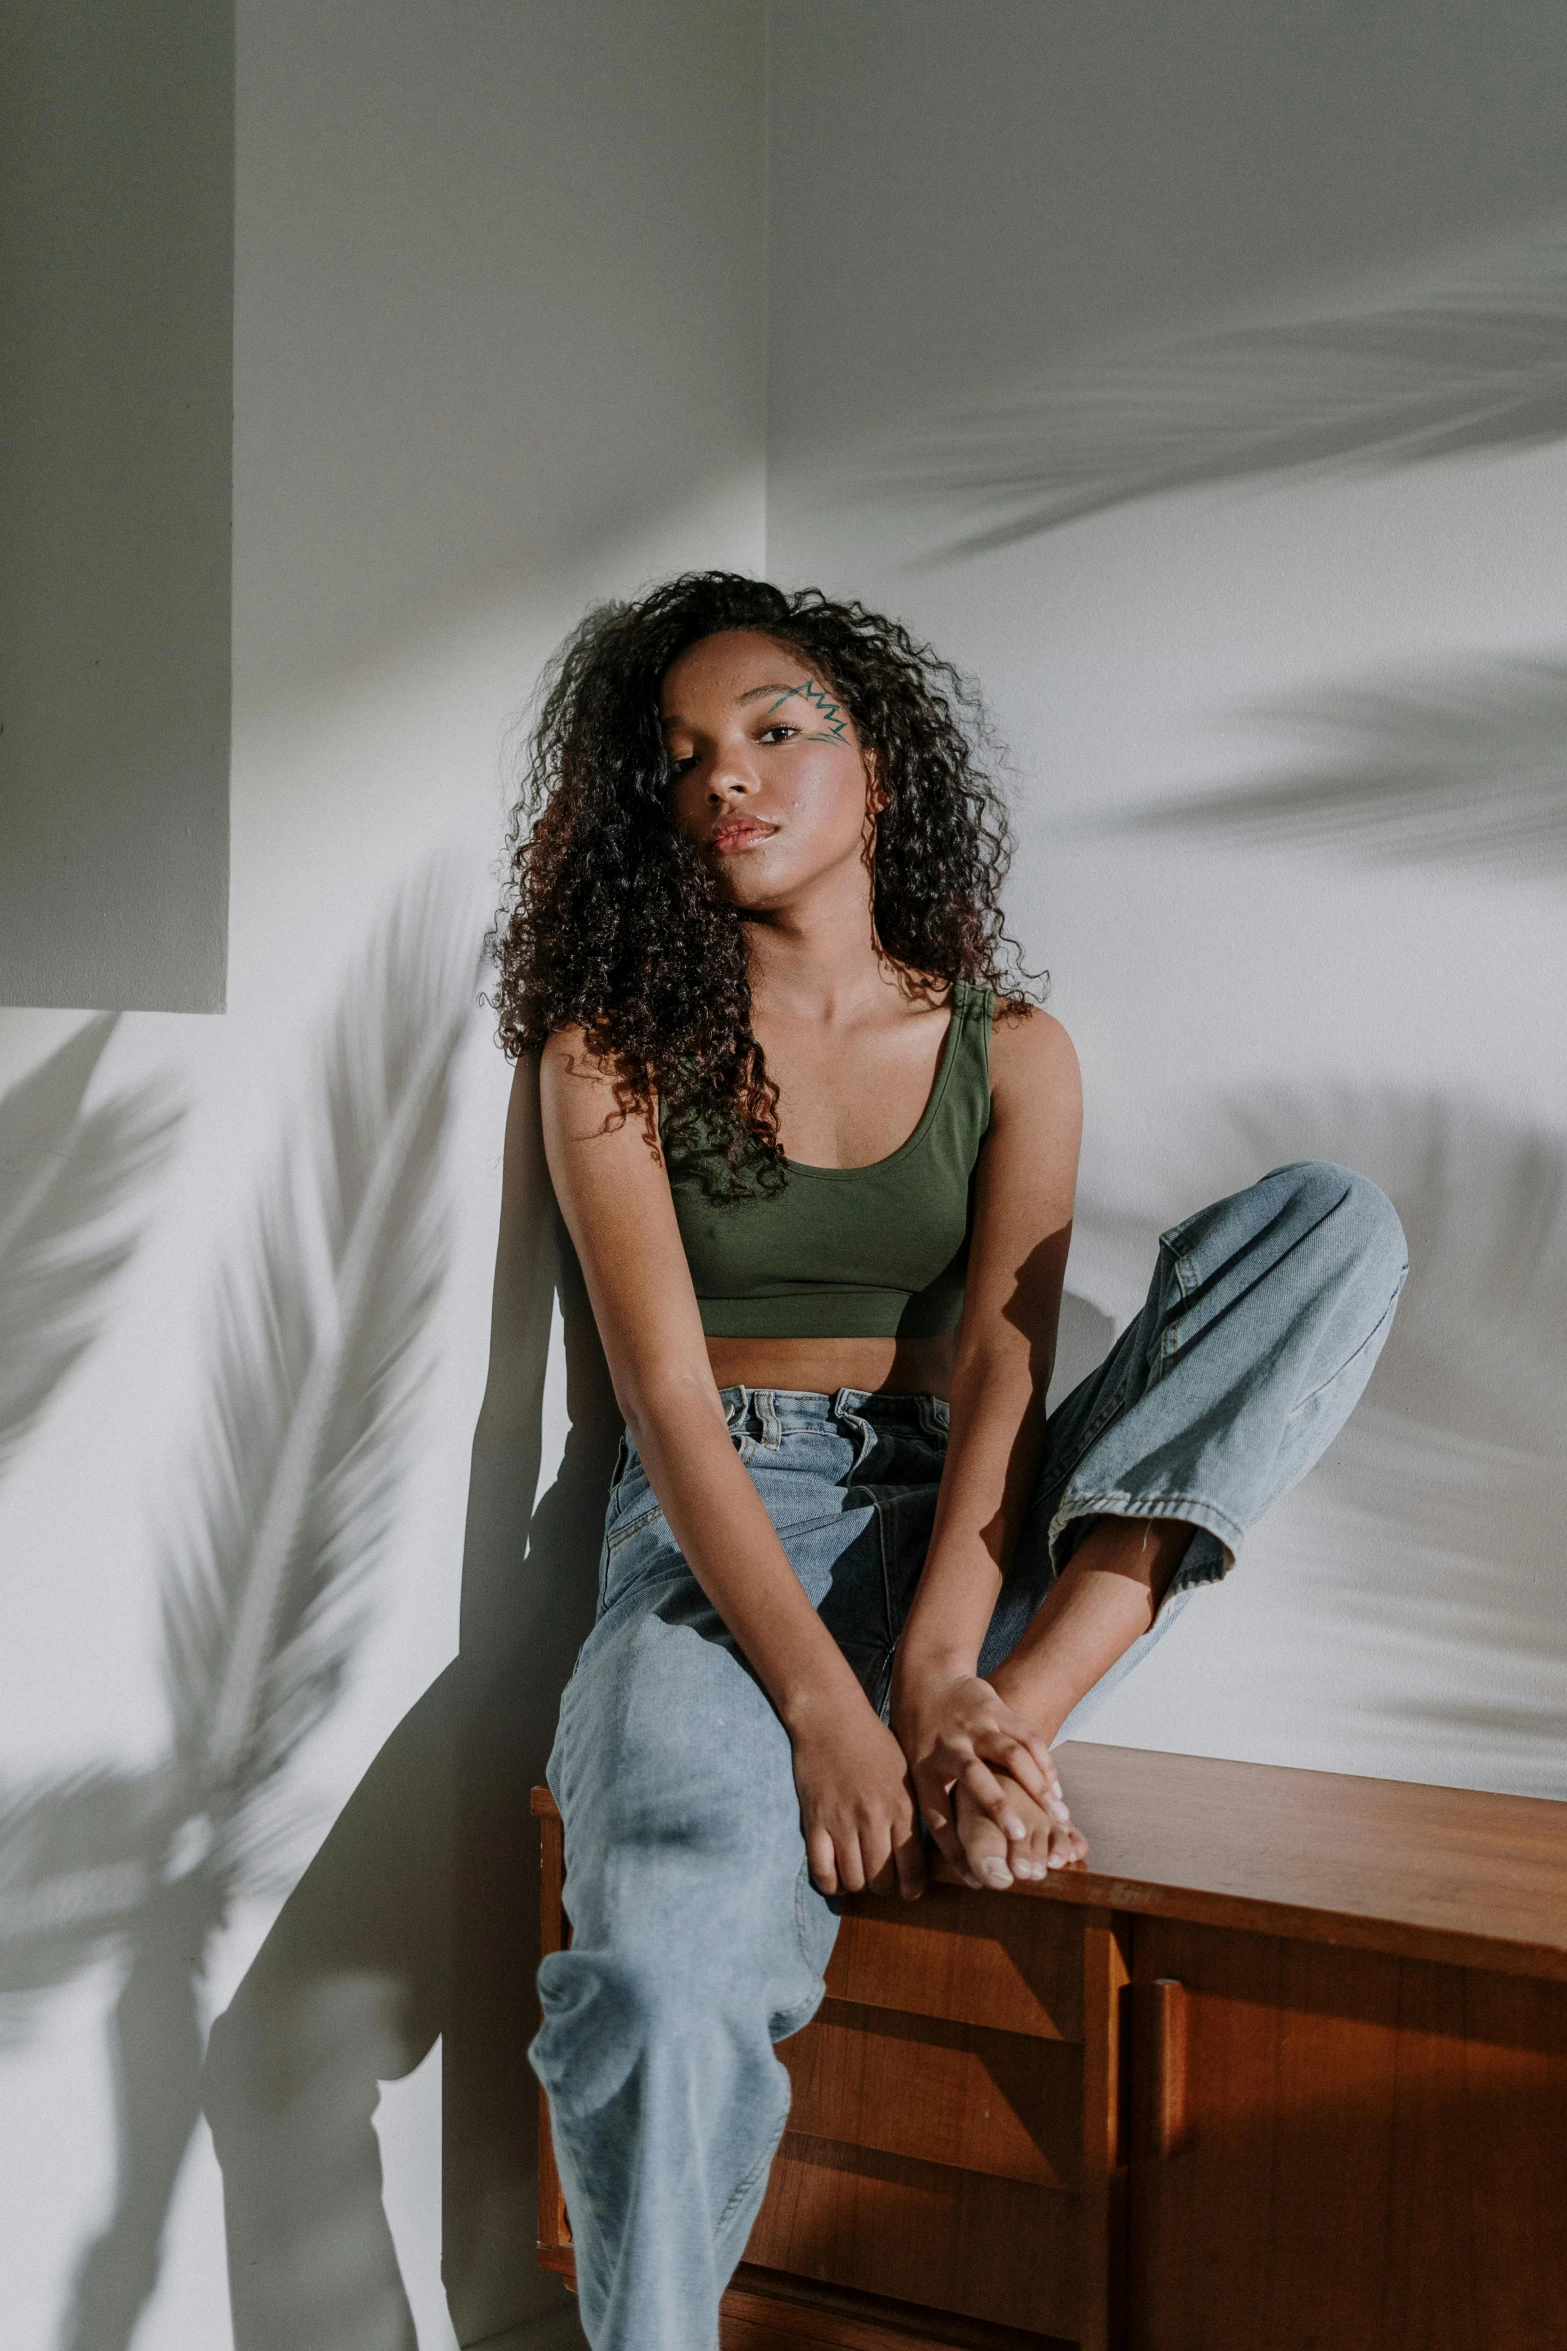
{"x": 996, "y": 1873}
{"x": 1057, "y": 1808}
{"x": 1013, "y": 1826}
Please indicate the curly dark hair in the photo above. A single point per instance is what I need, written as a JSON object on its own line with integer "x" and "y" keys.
{"x": 610, "y": 919}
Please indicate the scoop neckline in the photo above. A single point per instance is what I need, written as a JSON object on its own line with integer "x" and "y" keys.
{"x": 961, "y": 1003}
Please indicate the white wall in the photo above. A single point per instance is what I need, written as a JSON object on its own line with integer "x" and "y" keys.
{"x": 498, "y": 351}
{"x": 1229, "y": 340}
{"x": 1178, "y": 294}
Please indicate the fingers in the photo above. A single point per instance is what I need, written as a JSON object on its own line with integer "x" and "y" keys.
{"x": 852, "y": 1873}
{"x": 1019, "y": 1759}
{"x": 936, "y": 1812}
{"x": 822, "y": 1855}
{"x": 871, "y": 1843}
{"x": 908, "y": 1857}
{"x": 1038, "y": 1751}
{"x": 1026, "y": 1756}
{"x": 982, "y": 1788}
{"x": 984, "y": 1845}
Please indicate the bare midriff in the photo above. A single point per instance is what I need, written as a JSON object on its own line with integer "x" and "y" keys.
{"x": 892, "y": 1367}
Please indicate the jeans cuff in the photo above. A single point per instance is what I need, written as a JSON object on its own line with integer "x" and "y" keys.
{"x": 1207, "y": 1559}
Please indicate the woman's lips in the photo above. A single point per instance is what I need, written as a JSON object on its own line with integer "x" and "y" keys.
{"x": 744, "y": 834}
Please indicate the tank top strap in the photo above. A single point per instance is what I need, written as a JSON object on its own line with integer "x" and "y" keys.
{"x": 965, "y": 1103}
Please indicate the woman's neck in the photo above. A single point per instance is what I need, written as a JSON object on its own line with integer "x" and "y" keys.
{"x": 818, "y": 961}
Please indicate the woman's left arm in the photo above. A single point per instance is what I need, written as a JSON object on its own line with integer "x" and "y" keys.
{"x": 953, "y": 1726}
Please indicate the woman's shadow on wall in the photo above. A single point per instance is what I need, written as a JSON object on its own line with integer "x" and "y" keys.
{"x": 418, "y": 1917}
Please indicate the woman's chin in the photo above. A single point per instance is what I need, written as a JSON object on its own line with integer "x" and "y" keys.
{"x": 751, "y": 887}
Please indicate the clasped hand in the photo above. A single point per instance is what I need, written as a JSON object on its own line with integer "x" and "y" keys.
{"x": 957, "y": 1756}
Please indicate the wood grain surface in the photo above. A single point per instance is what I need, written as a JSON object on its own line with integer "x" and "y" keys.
{"x": 1006, "y": 2104}
{"x": 964, "y": 1956}
{"x": 1102, "y": 2211}
{"x": 922, "y": 2232}
{"x": 1374, "y": 2152}
{"x": 765, "y": 2312}
{"x": 1387, "y": 1865}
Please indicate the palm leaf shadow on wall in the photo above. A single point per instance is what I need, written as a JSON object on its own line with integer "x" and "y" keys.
{"x": 316, "y": 1359}
{"x": 1467, "y": 768}
{"x": 77, "y": 1849}
{"x": 1431, "y": 1532}
{"x": 418, "y": 1916}
{"x": 78, "y": 1856}
{"x": 68, "y": 1181}
{"x": 1481, "y": 366}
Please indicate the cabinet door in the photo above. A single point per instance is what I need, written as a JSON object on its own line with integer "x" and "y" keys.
{"x": 1335, "y": 2148}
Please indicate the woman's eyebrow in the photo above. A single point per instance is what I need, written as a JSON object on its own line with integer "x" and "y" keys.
{"x": 752, "y": 694}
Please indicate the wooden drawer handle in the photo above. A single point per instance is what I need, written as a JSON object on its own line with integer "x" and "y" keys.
{"x": 1158, "y": 2102}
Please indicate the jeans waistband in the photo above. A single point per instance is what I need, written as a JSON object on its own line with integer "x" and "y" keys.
{"x": 753, "y": 1410}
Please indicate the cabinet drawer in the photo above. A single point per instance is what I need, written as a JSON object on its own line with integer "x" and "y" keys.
{"x": 1006, "y": 2104}
{"x": 1015, "y": 1965}
{"x": 923, "y": 2233}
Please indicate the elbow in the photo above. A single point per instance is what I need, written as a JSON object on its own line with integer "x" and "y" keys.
{"x": 994, "y": 1378}
{"x": 660, "y": 1402}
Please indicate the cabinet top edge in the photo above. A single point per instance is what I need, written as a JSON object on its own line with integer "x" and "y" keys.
{"x": 1445, "y": 1873}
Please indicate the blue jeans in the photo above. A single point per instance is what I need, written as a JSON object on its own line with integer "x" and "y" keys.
{"x": 698, "y": 1939}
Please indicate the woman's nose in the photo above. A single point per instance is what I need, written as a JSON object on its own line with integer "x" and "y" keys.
{"x": 731, "y": 778}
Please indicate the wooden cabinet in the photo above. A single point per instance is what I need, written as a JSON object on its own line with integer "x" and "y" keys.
{"x": 1283, "y": 2068}
{"x": 1370, "y": 2149}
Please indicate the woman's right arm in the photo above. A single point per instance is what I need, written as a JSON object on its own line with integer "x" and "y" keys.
{"x": 856, "y": 1803}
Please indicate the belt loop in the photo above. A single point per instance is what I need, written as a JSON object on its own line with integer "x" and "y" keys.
{"x": 935, "y": 1416}
{"x": 766, "y": 1403}
{"x": 854, "y": 1424}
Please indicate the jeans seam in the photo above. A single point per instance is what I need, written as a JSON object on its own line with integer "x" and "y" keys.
{"x": 801, "y": 1886}
{"x": 1355, "y": 1353}
{"x": 1186, "y": 1281}
{"x": 882, "y": 1548}
{"x": 743, "y": 2186}
{"x": 1096, "y": 1428}
{"x": 632, "y": 1526}
{"x": 807, "y": 1526}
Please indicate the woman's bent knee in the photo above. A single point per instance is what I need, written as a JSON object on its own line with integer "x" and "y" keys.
{"x": 606, "y": 2012}
{"x": 1348, "y": 1211}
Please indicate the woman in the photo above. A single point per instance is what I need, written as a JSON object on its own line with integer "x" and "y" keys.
{"x": 816, "y": 1152}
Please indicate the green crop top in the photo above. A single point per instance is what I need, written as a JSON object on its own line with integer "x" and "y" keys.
{"x": 854, "y": 1252}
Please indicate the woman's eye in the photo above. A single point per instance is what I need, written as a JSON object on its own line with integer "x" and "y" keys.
{"x": 780, "y": 733}
{"x": 678, "y": 767}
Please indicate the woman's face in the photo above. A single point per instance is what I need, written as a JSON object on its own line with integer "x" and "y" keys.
{"x": 767, "y": 775}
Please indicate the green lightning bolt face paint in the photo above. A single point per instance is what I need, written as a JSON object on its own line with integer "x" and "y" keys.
{"x": 833, "y": 728}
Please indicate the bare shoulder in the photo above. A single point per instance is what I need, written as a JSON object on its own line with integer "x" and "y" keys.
{"x": 581, "y": 1098}
{"x": 571, "y": 1074}
{"x": 567, "y": 1053}
{"x": 1031, "y": 1056}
